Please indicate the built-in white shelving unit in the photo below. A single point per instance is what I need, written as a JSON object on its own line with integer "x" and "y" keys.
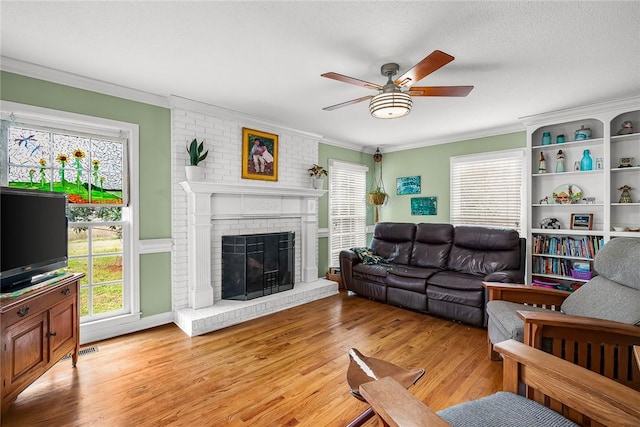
{"x": 551, "y": 253}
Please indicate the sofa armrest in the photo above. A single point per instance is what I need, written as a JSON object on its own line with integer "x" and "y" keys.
{"x": 504, "y": 276}
{"x": 348, "y": 259}
{"x": 524, "y": 294}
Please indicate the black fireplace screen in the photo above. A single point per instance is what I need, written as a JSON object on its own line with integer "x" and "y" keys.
{"x": 255, "y": 265}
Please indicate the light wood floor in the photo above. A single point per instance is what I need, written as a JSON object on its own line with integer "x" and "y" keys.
{"x": 285, "y": 369}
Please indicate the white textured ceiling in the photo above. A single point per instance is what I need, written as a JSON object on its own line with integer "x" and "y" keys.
{"x": 265, "y": 58}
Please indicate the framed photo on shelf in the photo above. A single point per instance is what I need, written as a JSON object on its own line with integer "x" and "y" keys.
{"x": 259, "y": 155}
{"x": 581, "y": 221}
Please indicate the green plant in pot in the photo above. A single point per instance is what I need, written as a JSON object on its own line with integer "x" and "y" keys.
{"x": 377, "y": 196}
{"x": 317, "y": 174}
{"x": 196, "y": 155}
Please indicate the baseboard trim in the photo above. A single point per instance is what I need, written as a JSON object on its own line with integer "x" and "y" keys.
{"x": 93, "y": 332}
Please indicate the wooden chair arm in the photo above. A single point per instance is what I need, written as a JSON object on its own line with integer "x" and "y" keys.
{"x": 608, "y": 402}
{"x": 578, "y": 322}
{"x": 396, "y": 406}
{"x": 586, "y": 392}
{"x": 525, "y": 294}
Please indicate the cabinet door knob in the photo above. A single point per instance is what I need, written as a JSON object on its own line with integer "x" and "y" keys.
{"x": 53, "y": 334}
{"x": 65, "y": 291}
{"x": 23, "y": 311}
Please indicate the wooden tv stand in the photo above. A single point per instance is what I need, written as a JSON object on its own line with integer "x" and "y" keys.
{"x": 38, "y": 328}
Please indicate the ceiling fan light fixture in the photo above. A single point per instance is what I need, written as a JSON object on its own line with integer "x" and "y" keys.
{"x": 390, "y": 105}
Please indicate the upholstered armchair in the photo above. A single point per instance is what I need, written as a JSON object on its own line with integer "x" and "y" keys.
{"x": 595, "y": 327}
{"x": 557, "y": 393}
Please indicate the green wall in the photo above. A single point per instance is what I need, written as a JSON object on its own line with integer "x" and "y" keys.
{"x": 432, "y": 165}
{"x": 154, "y": 160}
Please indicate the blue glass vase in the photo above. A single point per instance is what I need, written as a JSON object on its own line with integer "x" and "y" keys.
{"x": 586, "y": 164}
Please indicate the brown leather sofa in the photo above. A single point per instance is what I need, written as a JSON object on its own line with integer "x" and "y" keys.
{"x": 436, "y": 268}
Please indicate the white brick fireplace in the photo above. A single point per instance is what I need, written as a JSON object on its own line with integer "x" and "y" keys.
{"x": 225, "y": 204}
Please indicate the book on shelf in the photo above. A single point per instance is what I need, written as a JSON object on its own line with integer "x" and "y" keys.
{"x": 569, "y": 246}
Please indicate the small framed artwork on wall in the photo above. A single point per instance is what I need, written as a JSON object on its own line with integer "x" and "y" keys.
{"x": 408, "y": 185}
{"x": 259, "y": 155}
{"x": 424, "y": 206}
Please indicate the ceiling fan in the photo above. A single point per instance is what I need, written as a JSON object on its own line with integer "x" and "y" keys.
{"x": 394, "y": 98}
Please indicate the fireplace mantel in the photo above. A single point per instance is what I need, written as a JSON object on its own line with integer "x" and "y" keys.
{"x": 256, "y": 190}
{"x": 209, "y": 201}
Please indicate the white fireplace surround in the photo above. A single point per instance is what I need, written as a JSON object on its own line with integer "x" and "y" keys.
{"x": 209, "y": 202}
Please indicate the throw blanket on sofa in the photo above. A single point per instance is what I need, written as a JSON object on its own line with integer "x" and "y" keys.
{"x": 367, "y": 256}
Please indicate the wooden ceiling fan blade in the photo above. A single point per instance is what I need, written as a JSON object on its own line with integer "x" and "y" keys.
{"x": 344, "y": 104}
{"x": 351, "y": 80}
{"x": 428, "y": 65}
{"x": 440, "y": 90}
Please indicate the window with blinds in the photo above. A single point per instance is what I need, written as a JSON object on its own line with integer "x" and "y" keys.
{"x": 487, "y": 189}
{"x": 347, "y": 207}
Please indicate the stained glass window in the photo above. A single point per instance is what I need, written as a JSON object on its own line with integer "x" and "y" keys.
{"x": 91, "y": 170}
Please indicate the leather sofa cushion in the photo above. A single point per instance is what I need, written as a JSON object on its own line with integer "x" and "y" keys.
{"x": 432, "y": 245}
{"x": 413, "y": 284}
{"x": 481, "y": 250}
{"x": 409, "y": 271}
{"x": 457, "y": 296}
{"x": 407, "y": 299}
{"x": 394, "y": 241}
{"x": 371, "y": 272}
{"x": 456, "y": 280}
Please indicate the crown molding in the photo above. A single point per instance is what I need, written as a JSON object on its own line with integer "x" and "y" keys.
{"x": 592, "y": 110}
{"x": 35, "y": 71}
{"x": 176, "y": 101}
{"x": 458, "y": 137}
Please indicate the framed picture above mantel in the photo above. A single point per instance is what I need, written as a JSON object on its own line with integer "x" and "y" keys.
{"x": 259, "y": 155}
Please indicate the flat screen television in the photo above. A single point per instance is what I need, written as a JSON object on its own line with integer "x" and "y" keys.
{"x": 33, "y": 232}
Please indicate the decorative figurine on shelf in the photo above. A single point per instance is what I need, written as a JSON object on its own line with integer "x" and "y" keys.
{"x": 626, "y": 129}
{"x": 589, "y": 200}
{"x": 550, "y": 223}
{"x": 576, "y": 165}
{"x": 560, "y": 161}
{"x": 625, "y": 197}
{"x": 544, "y": 201}
{"x": 542, "y": 164}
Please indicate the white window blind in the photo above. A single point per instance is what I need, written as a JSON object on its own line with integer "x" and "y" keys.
{"x": 347, "y": 207}
{"x": 487, "y": 189}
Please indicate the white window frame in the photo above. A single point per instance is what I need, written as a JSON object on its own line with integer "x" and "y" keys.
{"x": 456, "y": 162}
{"x": 40, "y": 116}
{"x": 360, "y": 202}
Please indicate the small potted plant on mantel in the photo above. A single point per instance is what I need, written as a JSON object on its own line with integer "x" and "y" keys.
{"x": 196, "y": 155}
{"x": 317, "y": 174}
